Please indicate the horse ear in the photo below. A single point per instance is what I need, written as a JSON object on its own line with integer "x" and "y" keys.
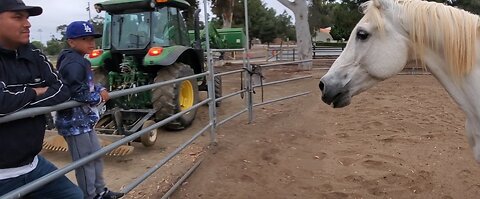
{"x": 363, "y": 7}
{"x": 382, "y": 4}
{"x": 377, "y": 3}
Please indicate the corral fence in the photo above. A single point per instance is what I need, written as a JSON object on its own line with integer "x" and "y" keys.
{"x": 290, "y": 53}
{"x": 249, "y": 73}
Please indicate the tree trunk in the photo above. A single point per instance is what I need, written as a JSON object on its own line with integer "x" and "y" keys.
{"x": 302, "y": 28}
{"x": 228, "y": 14}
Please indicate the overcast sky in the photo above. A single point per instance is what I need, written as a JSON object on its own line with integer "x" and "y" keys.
{"x": 58, "y": 12}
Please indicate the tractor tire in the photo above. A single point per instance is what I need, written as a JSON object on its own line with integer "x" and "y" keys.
{"x": 218, "y": 89}
{"x": 174, "y": 98}
{"x": 149, "y": 139}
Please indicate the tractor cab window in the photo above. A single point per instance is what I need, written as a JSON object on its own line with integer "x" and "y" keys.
{"x": 159, "y": 27}
{"x": 168, "y": 27}
{"x": 185, "y": 40}
{"x": 131, "y": 31}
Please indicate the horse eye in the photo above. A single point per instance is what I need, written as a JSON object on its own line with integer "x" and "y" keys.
{"x": 362, "y": 35}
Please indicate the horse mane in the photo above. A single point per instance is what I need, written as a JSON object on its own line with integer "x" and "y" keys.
{"x": 447, "y": 30}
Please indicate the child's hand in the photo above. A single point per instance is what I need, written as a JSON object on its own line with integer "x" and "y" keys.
{"x": 40, "y": 91}
{"x": 105, "y": 96}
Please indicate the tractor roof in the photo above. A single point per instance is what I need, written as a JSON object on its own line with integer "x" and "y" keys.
{"x": 120, "y": 6}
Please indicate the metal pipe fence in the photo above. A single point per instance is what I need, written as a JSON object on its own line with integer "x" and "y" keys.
{"x": 31, "y": 112}
{"x": 152, "y": 170}
{"x": 230, "y": 72}
{"x": 181, "y": 180}
{"x": 228, "y": 50}
{"x": 230, "y": 95}
{"x": 285, "y": 63}
{"x": 282, "y": 81}
{"x": 231, "y": 117}
{"x": 281, "y": 99}
{"x": 22, "y": 191}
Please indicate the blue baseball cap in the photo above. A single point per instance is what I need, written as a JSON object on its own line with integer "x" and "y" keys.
{"x": 79, "y": 29}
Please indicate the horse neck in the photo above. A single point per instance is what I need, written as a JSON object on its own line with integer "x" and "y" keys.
{"x": 466, "y": 91}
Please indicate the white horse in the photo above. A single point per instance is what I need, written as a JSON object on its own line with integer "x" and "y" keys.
{"x": 394, "y": 32}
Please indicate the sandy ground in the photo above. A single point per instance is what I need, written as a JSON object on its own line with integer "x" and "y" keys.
{"x": 404, "y": 138}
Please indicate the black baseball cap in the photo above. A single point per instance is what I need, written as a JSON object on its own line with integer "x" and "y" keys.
{"x": 18, "y": 5}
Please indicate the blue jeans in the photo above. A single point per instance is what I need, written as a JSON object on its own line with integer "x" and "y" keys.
{"x": 59, "y": 188}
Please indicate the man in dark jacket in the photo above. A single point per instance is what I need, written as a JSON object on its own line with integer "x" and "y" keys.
{"x": 26, "y": 80}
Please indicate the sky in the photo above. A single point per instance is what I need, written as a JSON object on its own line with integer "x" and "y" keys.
{"x": 58, "y": 12}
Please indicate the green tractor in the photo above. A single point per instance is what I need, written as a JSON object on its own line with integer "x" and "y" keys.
{"x": 145, "y": 42}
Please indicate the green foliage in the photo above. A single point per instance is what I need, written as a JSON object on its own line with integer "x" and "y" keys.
{"x": 285, "y": 28}
{"x": 343, "y": 15}
{"x": 54, "y": 46}
{"x": 472, "y": 6}
{"x": 221, "y": 7}
{"x": 320, "y": 14}
{"x": 97, "y": 23}
{"x": 39, "y": 45}
{"x": 264, "y": 22}
{"x": 62, "y": 29}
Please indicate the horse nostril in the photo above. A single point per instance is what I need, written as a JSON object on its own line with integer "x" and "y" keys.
{"x": 321, "y": 85}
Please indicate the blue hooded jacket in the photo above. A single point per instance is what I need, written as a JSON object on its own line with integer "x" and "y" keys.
{"x": 76, "y": 73}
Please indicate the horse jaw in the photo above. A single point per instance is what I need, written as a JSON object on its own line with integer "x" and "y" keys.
{"x": 343, "y": 81}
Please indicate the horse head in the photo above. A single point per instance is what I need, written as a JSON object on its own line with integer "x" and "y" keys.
{"x": 378, "y": 48}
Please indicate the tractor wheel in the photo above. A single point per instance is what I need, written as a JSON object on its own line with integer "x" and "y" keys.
{"x": 173, "y": 98}
{"x": 149, "y": 139}
{"x": 218, "y": 89}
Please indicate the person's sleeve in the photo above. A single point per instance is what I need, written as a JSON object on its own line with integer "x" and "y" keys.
{"x": 75, "y": 76}
{"x": 13, "y": 101}
{"x": 57, "y": 91}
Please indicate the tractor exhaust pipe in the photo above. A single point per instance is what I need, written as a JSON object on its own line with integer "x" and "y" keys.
{"x": 198, "y": 43}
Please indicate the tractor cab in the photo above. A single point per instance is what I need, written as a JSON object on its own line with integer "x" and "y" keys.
{"x": 136, "y": 32}
{"x": 145, "y": 42}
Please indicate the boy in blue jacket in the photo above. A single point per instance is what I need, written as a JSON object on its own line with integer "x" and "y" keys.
{"x": 76, "y": 125}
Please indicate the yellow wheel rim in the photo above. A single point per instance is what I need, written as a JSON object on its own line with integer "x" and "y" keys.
{"x": 186, "y": 96}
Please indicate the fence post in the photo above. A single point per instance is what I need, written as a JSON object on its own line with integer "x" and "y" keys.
{"x": 293, "y": 54}
{"x": 249, "y": 67}
{"x": 210, "y": 83}
{"x": 314, "y": 53}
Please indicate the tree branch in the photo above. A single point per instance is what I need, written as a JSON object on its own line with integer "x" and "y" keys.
{"x": 290, "y": 5}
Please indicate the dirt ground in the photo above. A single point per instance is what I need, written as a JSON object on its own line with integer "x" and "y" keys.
{"x": 404, "y": 138}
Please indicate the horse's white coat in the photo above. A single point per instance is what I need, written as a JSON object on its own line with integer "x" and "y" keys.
{"x": 385, "y": 53}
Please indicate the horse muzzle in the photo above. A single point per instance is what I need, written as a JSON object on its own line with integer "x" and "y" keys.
{"x": 335, "y": 95}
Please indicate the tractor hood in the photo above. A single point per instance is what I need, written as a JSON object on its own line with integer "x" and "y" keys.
{"x": 123, "y": 6}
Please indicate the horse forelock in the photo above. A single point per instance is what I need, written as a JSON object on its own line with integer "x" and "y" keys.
{"x": 447, "y": 30}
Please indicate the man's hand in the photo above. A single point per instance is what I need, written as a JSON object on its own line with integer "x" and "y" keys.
{"x": 105, "y": 96}
{"x": 40, "y": 91}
